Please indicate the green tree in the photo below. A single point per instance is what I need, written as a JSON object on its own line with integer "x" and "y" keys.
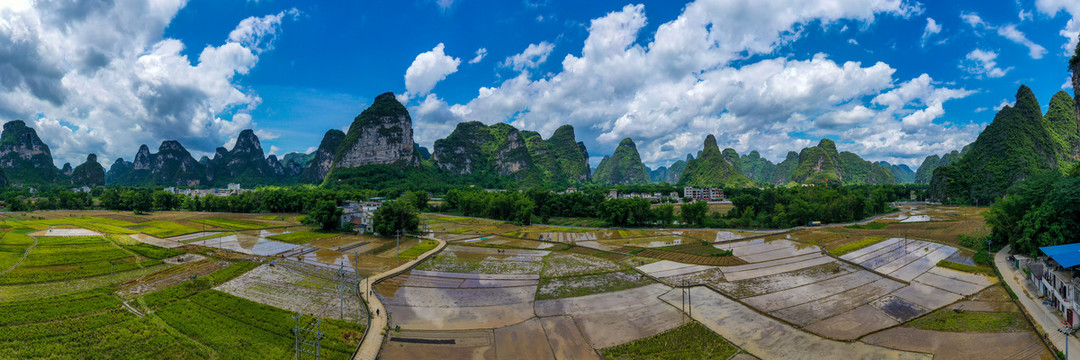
{"x": 694, "y": 213}
{"x": 665, "y": 214}
{"x": 394, "y": 216}
{"x": 325, "y": 213}
{"x": 141, "y": 201}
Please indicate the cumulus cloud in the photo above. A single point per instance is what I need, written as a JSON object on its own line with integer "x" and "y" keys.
{"x": 1072, "y": 28}
{"x": 982, "y": 62}
{"x": 428, "y": 69}
{"x": 481, "y": 53}
{"x": 1008, "y": 31}
{"x": 669, "y": 91}
{"x": 98, "y": 76}
{"x": 533, "y": 56}
{"x": 932, "y": 28}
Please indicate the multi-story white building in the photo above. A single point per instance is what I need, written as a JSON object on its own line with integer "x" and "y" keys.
{"x": 706, "y": 193}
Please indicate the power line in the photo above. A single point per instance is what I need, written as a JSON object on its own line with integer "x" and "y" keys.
{"x": 308, "y": 339}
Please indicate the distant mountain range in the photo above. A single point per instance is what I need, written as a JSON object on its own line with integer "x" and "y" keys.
{"x": 1020, "y": 141}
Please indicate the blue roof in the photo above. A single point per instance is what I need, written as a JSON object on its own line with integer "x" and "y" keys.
{"x": 1065, "y": 255}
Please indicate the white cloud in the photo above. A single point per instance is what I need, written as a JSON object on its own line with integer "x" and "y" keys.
{"x": 1004, "y": 103}
{"x": 481, "y": 53}
{"x": 1026, "y": 15}
{"x": 1072, "y": 28}
{"x": 1010, "y": 32}
{"x": 428, "y": 69}
{"x": 533, "y": 56}
{"x": 973, "y": 19}
{"x": 853, "y": 42}
{"x": 982, "y": 62}
{"x": 932, "y": 28}
{"x": 669, "y": 91}
{"x": 104, "y": 79}
{"x": 444, "y": 5}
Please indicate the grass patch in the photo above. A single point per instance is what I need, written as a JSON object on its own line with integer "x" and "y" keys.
{"x": 874, "y": 225}
{"x": 856, "y": 245}
{"x": 966, "y": 268}
{"x": 690, "y": 341}
{"x": 302, "y": 237}
{"x": 957, "y": 321}
{"x": 231, "y": 224}
{"x": 418, "y": 249}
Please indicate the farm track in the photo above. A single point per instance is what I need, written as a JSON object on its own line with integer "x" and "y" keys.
{"x": 25, "y": 254}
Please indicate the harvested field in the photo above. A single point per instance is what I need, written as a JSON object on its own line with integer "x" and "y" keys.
{"x": 558, "y": 264}
{"x": 297, "y": 287}
{"x": 169, "y": 277}
{"x": 945, "y": 345}
{"x": 564, "y": 287}
{"x": 613, "y": 318}
{"x": 691, "y": 259}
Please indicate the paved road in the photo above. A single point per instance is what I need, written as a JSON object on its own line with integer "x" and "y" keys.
{"x": 1044, "y": 316}
{"x": 373, "y": 339}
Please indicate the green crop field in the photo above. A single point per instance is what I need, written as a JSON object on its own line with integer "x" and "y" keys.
{"x": 231, "y": 224}
{"x": 163, "y": 229}
{"x": 221, "y": 321}
{"x": 86, "y": 323}
{"x": 302, "y": 237}
{"x": 690, "y": 341}
{"x": 61, "y": 258}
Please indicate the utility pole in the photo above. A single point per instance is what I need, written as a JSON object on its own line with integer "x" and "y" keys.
{"x": 314, "y": 328}
{"x": 341, "y": 292}
{"x": 399, "y": 244}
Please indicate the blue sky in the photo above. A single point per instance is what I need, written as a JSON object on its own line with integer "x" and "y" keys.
{"x": 890, "y": 80}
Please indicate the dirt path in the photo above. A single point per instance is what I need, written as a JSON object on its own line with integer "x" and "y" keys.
{"x": 23, "y": 256}
{"x": 374, "y": 336}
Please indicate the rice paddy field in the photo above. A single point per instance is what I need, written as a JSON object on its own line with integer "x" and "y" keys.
{"x": 204, "y": 285}
{"x": 177, "y": 285}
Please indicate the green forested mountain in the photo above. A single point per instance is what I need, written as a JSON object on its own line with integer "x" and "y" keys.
{"x": 298, "y": 158}
{"x": 1020, "y": 142}
{"x": 932, "y": 162}
{"x": 323, "y": 157}
{"x": 381, "y": 135}
{"x": 823, "y": 164}
{"x": 756, "y": 167}
{"x": 622, "y": 167}
{"x": 657, "y": 175}
{"x": 24, "y": 157}
{"x": 676, "y": 169}
{"x": 560, "y": 159}
{"x": 713, "y": 168}
{"x": 476, "y": 149}
{"x": 902, "y": 173}
{"x": 89, "y": 173}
